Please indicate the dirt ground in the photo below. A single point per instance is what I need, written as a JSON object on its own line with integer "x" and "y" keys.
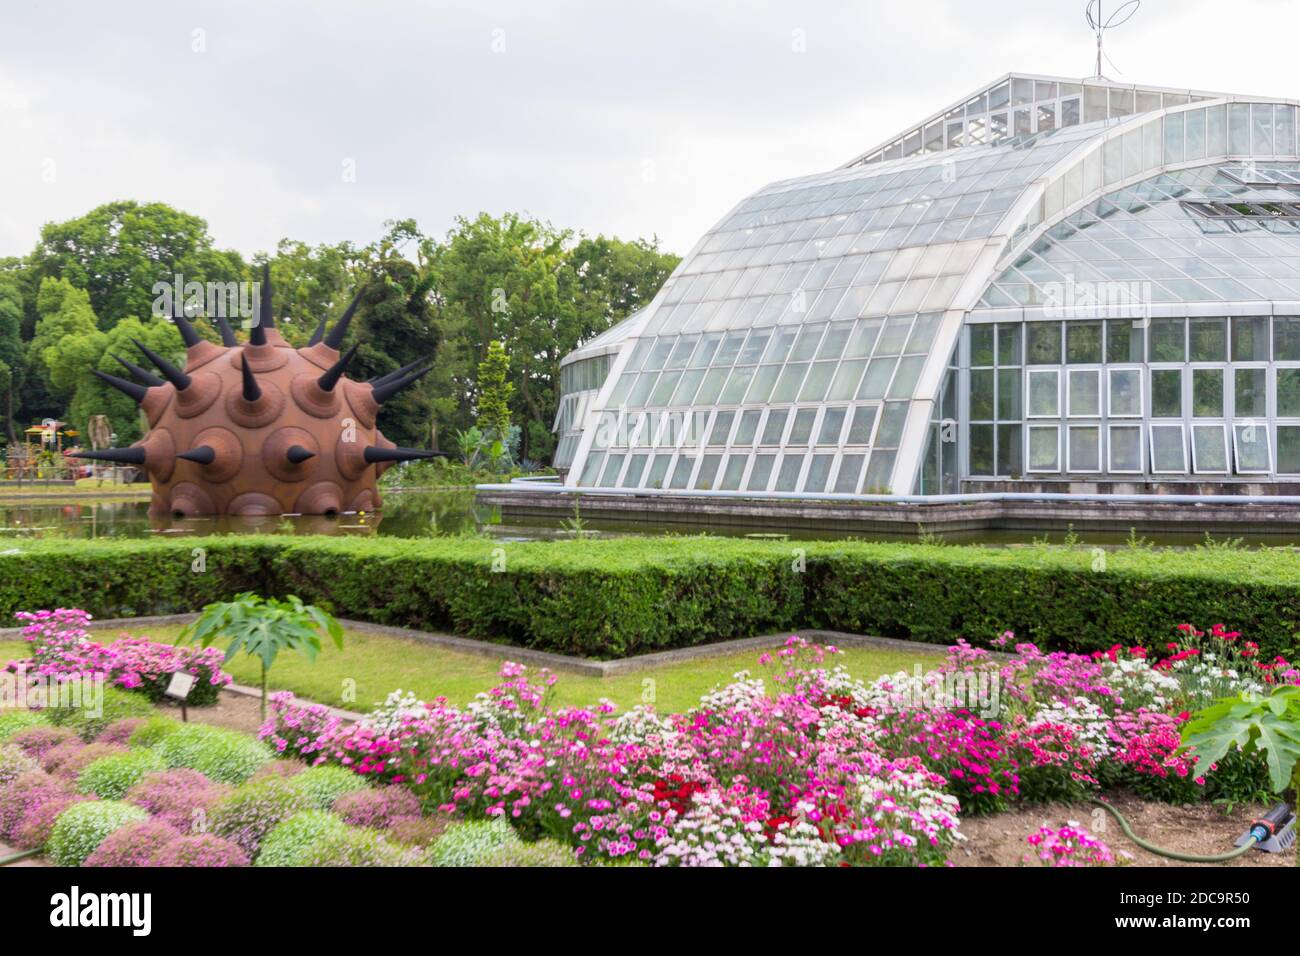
{"x": 1201, "y": 829}
{"x": 234, "y": 711}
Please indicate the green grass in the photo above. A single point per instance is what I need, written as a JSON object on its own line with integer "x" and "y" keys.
{"x": 372, "y": 665}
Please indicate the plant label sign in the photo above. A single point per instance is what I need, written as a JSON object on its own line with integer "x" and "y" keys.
{"x": 180, "y": 686}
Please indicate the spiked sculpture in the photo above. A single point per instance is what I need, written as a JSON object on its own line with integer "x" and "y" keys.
{"x": 261, "y": 428}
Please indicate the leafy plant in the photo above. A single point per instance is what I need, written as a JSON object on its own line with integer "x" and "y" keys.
{"x": 262, "y": 627}
{"x": 1270, "y": 725}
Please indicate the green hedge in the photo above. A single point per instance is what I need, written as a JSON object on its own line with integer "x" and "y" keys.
{"x": 613, "y": 598}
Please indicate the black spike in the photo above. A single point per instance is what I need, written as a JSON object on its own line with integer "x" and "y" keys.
{"x": 170, "y": 371}
{"x": 252, "y": 391}
{"x": 297, "y": 454}
{"x": 188, "y": 335}
{"x": 133, "y": 389}
{"x": 204, "y": 455}
{"x": 227, "y": 333}
{"x": 257, "y": 335}
{"x": 122, "y": 456}
{"x": 374, "y": 454}
{"x": 382, "y": 393}
{"x": 335, "y": 338}
{"x": 389, "y": 376}
{"x": 331, "y": 376}
{"x": 267, "y": 316}
{"x": 140, "y": 375}
{"x": 318, "y": 334}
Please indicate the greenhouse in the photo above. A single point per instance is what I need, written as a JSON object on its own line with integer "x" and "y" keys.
{"x": 1051, "y": 285}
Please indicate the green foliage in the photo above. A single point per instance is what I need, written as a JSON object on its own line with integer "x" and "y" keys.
{"x": 1270, "y": 725}
{"x": 353, "y": 847}
{"x": 293, "y": 841}
{"x": 219, "y": 754}
{"x": 247, "y": 816}
{"x": 472, "y": 843}
{"x": 109, "y": 778}
{"x": 325, "y": 784}
{"x": 14, "y": 763}
{"x": 13, "y": 721}
{"x": 494, "y": 391}
{"x": 153, "y": 730}
{"x": 262, "y": 627}
{"x": 89, "y": 720}
{"x": 541, "y": 853}
{"x": 612, "y": 598}
{"x": 82, "y": 827}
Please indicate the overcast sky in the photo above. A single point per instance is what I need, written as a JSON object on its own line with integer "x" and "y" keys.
{"x": 321, "y": 120}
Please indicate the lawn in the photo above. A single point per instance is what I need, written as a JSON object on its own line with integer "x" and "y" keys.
{"x": 372, "y": 665}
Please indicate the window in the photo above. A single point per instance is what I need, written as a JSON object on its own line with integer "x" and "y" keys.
{"x": 1286, "y": 339}
{"x": 1209, "y": 449}
{"x": 850, "y": 473}
{"x": 1209, "y": 340}
{"x": 1044, "y": 448}
{"x": 1167, "y": 393}
{"x": 864, "y": 420}
{"x": 1083, "y": 343}
{"x": 1288, "y": 393}
{"x": 1168, "y": 449}
{"x": 1126, "y": 448}
{"x": 1288, "y": 449}
{"x": 1084, "y": 452}
{"x": 1250, "y": 339}
{"x": 1168, "y": 340}
{"x": 1043, "y": 343}
{"x": 1250, "y": 443}
{"x": 1044, "y": 393}
{"x": 761, "y": 473}
{"x": 1125, "y": 392}
{"x": 1123, "y": 341}
{"x": 1207, "y": 393}
{"x": 774, "y": 427}
{"x": 735, "y": 470}
{"x": 1085, "y": 392}
{"x": 1250, "y": 394}
{"x": 981, "y": 450}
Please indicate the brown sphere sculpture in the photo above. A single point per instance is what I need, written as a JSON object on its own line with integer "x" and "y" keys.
{"x": 261, "y": 428}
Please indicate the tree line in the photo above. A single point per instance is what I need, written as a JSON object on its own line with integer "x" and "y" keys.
{"x": 510, "y": 293}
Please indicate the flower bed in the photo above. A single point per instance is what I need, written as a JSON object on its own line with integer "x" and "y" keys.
{"x": 62, "y": 649}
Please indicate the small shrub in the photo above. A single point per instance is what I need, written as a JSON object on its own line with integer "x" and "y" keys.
{"x": 135, "y": 844}
{"x": 117, "y": 705}
{"x": 109, "y": 778}
{"x": 469, "y": 844}
{"x": 279, "y": 769}
{"x": 323, "y": 785}
{"x": 377, "y": 807}
{"x": 292, "y": 841}
{"x": 14, "y": 763}
{"x": 80, "y": 829}
{"x": 248, "y": 815}
{"x": 153, "y": 730}
{"x": 351, "y": 847}
{"x": 14, "y": 720}
{"x": 22, "y": 793}
{"x": 183, "y": 799}
{"x": 37, "y": 741}
{"x": 59, "y": 754}
{"x": 222, "y": 755}
{"x": 42, "y": 812}
{"x": 70, "y": 769}
{"x": 417, "y": 832}
{"x": 121, "y": 731}
{"x": 203, "y": 849}
{"x": 541, "y": 853}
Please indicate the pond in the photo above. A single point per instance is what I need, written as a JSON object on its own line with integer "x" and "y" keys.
{"x": 427, "y": 514}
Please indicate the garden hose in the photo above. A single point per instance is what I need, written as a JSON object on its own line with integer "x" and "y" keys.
{"x": 1258, "y": 833}
{"x": 6, "y": 860}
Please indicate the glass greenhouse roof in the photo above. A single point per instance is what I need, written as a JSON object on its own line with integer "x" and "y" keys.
{"x": 1155, "y": 233}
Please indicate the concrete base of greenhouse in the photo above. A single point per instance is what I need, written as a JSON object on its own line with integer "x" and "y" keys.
{"x": 768, "y": 515}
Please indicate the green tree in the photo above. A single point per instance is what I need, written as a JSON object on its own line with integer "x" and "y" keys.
{"x": 11, "y": 351}
{"x": 311, "y": 283}
{"x": 118, "y": 251}
{"x": 494, "y": 391}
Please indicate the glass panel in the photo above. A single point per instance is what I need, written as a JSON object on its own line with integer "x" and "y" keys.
{"x": 1250, "y": 339}
{"x": 845, "y": 383}
{"x": 609, "y": 479}
{"x": 1126, "y": 448}
{"x": 981, "y": 450}
{"x": 1123, "y": 341}
{"x": 1249, "y": 393}
{"x": 1168, "y": 340}
{"x": 909, "y": 369}
{"x": 708, "y": 472}
{"x": 1288, "y": 449}
{"x": 981, "y": 345}
{"x": 736, "y": 385}
{"x": 778, "y": 349}
{"x": 1209, "y": 340}
{"x": 837, "y": 337}
{"x": 1167, "y": 393}
{"x": 819, "y": 470}
{"x": 864, "y": 420}
{"x": 1043, "y": 343}
{"x": 664, "y": 389}
{"x": 894, "y": 335}
{"x": 1209, "y": 449}
{"x": 805, "y": 346}
{"x": 1286, "y": 339}
{"x": 760, "y": 388}
{"x": 658, "y": 355}
{"x": 658, "y": 469}
{"x": 1044, "y": 392}
{"x": 818, "y": 381}
{"x": 1083, "y": 343}
{"x": 891, "y": 424}
{"x": 1288, "y": 394}
{"x": 877, "y": 378}
{"x": 1168, "y": 452}
{"x": 1044, "y": 448}
{"x": 850, "y": 473}
{"x": 709, "y": 391}
{"x": 774, "y": 426}
{"x": 787, "y": 387}
{"x": 832, "y": 426}
{"x": 1085, "y": 392}
{"x": 1251, "y": 444}
{"x": 729, "y": 349}
{"x": 787, "y": 479}
{"x": 682, "y": 472}
{"x": 1008, "y": 345}
{"x": 879, "y": 470}
{"x": 748, "y": 427}
{"x": 863, "y": 339}
{"x": 1125, "y": 391}
{"x": 1085, "y": 448}
{"x": 754, "y": 346}
{"x": 721, "y": 427}
{"x": 735, "y": 469}
{"x": 682, "y": 351}
{"x": 1207, "y": 393}
{"x": 801, "y": 429}
{"x": 687, "y": 387}
{"x": 634, "y": 469}
{"x": 761, "y": 473}
{"x": 1009, "y": 450}
{"x": 1008, "y": 394}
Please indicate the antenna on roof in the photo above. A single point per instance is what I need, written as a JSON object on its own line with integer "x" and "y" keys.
{"x": 1099, "y": 23}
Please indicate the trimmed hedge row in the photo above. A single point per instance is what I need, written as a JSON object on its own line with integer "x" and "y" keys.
{"x": 608, "y": 599}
